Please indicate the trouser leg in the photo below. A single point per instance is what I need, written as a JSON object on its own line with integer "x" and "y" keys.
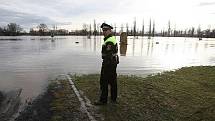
{"x": 103, "y": 86}
{"x": 113, "y": 83}
{"x": 114, "y": 90}
{"x": 101, "y": 77}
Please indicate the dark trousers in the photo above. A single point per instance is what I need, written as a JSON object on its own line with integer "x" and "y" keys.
{"x": 108, "y": 76}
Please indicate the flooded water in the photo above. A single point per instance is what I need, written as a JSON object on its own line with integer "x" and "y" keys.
{"x": 30, "y": 61}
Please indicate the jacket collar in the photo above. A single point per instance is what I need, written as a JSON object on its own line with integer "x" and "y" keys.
{"x": 107, "y": 37}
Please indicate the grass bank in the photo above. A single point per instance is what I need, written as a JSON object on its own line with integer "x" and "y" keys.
{"x": 187, "y": 94}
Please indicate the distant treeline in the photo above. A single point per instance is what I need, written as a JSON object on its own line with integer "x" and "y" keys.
{"x": 13, "y": 29}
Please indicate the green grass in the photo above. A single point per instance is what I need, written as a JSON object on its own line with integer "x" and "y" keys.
{"x": 187, "y": 94}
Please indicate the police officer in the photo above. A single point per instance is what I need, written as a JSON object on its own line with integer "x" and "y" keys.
{"x": 109, "y": 65}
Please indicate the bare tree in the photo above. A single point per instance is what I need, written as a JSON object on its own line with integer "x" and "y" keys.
{"x": 169, "y": 29}
{"x": 94, "y": 26}
{"x": 153, "y": 29}
{"x": 13, "y": 29}
{"x": 192, "y": 31}
{"x": 1, "y": 31}
{"x": 143, "y": 28}
{"x": 121, "y": 28}
{"x": 207, "y": 33}
{"x": 98, "y": 29}
{"x": 135, "y": 26}
{"x": 114, "y": 29}
{"x": 150, "y": 31}
{"x": 127, "y": 31}
{"x": 199, "y": 33}
{"x": 90, "y": 31}
{"x": 42, "y": 28}
{"x": 84, "y": 30}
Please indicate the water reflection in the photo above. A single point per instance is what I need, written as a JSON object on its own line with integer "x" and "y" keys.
{"x": 169, "y": 53}
{"x": 123, "y": 49}
{"x": 53, "y": 40}
{"x": 94, "y": 44}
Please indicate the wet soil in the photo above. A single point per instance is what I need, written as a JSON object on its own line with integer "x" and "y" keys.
{"x": 38, "y": 110}
{"x": 1, "y": 97}
{"x": 10, "y": 103}
{"x": 57, "y": 103}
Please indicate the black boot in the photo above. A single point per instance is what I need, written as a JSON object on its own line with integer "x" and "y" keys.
{"x": 100, "y": 103}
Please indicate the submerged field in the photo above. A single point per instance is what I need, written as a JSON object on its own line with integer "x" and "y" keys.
{"x": 187, "y": 94}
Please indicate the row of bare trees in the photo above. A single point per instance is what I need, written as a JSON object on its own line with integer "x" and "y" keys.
{"x": 43, "y": 30}
{"x": 132, "y": 30}
{"x": 13, "y": 29}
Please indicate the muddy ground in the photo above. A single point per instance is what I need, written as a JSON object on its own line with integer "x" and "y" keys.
{"x": 10, "y": 103}
{"x": 38, "y": 110}
{"x": 58, "y": 103}
{"x": 1, "y": 97}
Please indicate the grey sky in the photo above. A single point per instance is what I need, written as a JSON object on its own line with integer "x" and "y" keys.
{"x": 207, "y": 3}
{"x": 182, "y": 13}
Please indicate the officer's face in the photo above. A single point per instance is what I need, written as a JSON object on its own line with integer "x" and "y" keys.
{"x": 106, "y": 32}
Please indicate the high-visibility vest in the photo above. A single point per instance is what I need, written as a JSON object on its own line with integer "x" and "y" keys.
{"x": 111, "y": 39}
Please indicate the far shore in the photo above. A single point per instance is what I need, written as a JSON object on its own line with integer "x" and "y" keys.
{"x": 97, "y": 35}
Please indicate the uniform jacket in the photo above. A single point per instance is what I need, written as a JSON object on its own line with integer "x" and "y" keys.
{"x": 110, "y": 50}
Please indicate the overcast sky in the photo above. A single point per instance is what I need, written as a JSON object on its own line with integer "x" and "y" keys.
{"x": 73, "y": 13}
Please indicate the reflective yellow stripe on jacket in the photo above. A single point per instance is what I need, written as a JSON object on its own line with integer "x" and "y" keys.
{"x": 112, "y": 40}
